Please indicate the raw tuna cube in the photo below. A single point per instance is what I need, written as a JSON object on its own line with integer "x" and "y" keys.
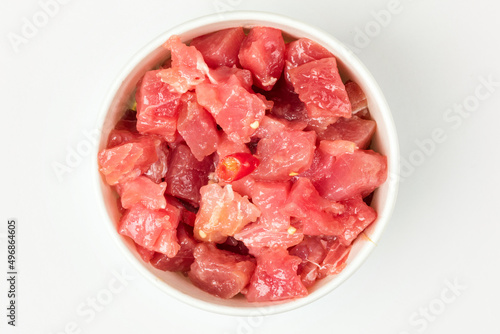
{"x": 334, "y": 261}
{"x": 145, "y": 226}
{"x": 337, "y": 147}
{"x": 188, "y": 67}
{"x": 272, "y": 229}
{"x": 312, "y": 251}
{"x": 221, "y": 273}
{"x": 220, "y": 48}
{"x": 356, "y": 96}
{"x": 363, "y": 114}
{"x": 271, "y": 125}
{"x": 232, "y": 75}
{"x": 320, "y": 167}
{"x": 314, "y": 212}
{"x": 183, "y": 259}
{"x": 188, "y": 217}
{"x": 237, "y": 111}
{"x": 356, "y": 217}
{"x": 358, "y": 173}
{"x": 270, "y": 197}
{"x": 243, "y": 186}
{"x": 287, "y": 104}
{"x": 142, "y": 190}
{"x": 126, "y": 162}
{"x": 197, "y": 127}
{"x": 263, "y": 53}
{"x": 285, "y": 154}
{"x": 320, "y": 87}
{"x": 357, "y": 130}
{"x": 187, "y": 211}
{"x": 233, "y": 245}
{"x": 226, "y": 147}
{"x": 144, "y": 253}
{"x": 119, "y": 137}
{"x": 158, "y": 170}
{"x": 259, "y": 235}
{"x": 157, "y": 106}
{"x": 222, "y": 213}
{"x": 275, "y": 277}
{"x": 303, "y": 51}
{"x": 186, "y": 175}
{"x": 167, "y": 242}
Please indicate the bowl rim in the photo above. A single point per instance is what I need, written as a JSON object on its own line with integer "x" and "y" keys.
{"x": 352, "y": 61}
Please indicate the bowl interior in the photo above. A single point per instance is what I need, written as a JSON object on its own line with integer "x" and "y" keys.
{"x": 121, "y": 96}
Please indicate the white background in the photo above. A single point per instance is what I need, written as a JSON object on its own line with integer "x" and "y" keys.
{"x": 427, "y": 58}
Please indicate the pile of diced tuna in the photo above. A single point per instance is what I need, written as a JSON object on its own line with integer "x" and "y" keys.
{"x": 245, "y": 164}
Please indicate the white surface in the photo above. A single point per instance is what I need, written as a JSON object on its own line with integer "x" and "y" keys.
{"x": 427, "y": 58}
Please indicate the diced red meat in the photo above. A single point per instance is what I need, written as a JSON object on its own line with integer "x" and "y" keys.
{"x": 188, "y": 217}
{"x": 270, "y": 197}
{"x": 312, "y": 251}
{"x": 320, "y": 87}
{"x": 263, "y": 53}
{"x": 232, "y": 75}
{"x": 186, "y": 210}
{"x": 243, "y": 186}
{"x": 157, "y": 106}
{"x": 320, "y": 167}
{"x": 144, "y": 253}
{"x": 167, "y": 242}
{"x": 142, "y": 190}
{"x": 314, "y": 212}
{"x": 148, "y": 228}
{"x": 285, "y": 154}
{"x": 227, "y": 147}
{"x": 218, "y": 272}
{"x": 158, "y": 170}
{"x": 356, "y": 96}
{"x": 233, "y": 245}
{"x": 178, "y": 140}
{"x": 119, "y": 137}
{"x": 127, "y": 161}
{"x": 357, "y": 130}
{"x": 287, "y": 104}
{"x": 335, "y": 260}
{"x": 258, "y": 236}
{"x": 188, "y": 67}
{"x": 237, "y": 111}
{"x": 220, "y": 48}
{"x": 183, "y": 259}
{"x": 271, "y": 125}
{"x": 275, "y": 277}
{"x": 363, "y": 114}
{"x": 186, "y": 175}
{"x": 358, "y": 173}
{"x": 222, "y": 213}
{"x": 356, "y": 217}
{"x": 303, "y": 51}
{"x": 197, "y": 127}
{"x": 337, "y": 147}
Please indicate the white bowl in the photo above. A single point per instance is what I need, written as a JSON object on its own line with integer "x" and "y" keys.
{"x": 385, "y": 141}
